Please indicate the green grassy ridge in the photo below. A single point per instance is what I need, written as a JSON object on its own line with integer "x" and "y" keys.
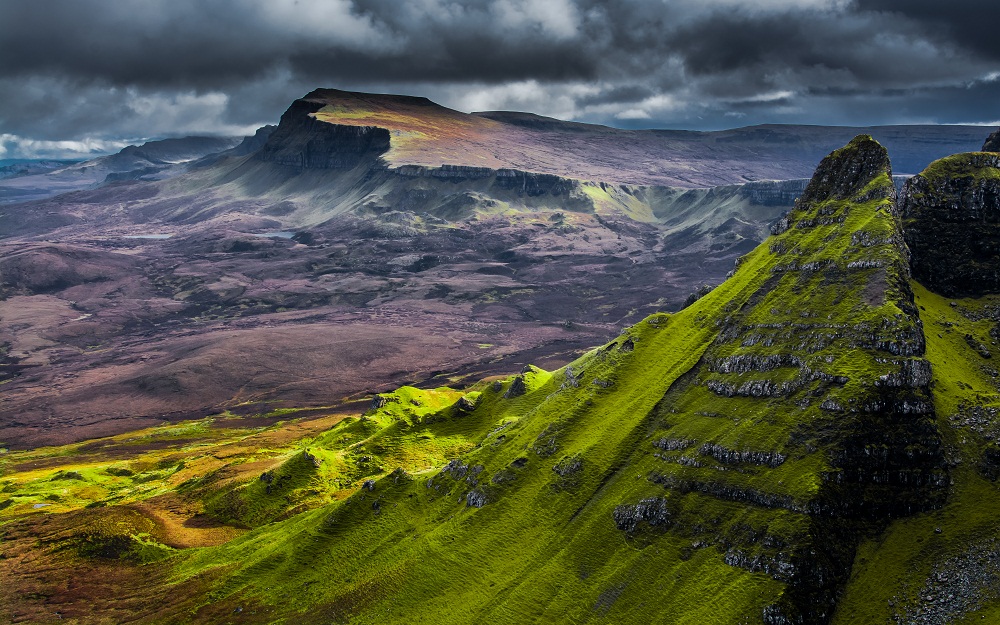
{"x": 819, "y": 333}
{"x": 976, "y": 165}
{"x": 597, "y": 432}
{"x": 411, "y": 429}
{"x": 552, "y": 467}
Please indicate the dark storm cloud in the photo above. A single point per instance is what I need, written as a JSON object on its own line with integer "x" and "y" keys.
{"x": 972, "y": 22}
{"x": 139, "y": 68}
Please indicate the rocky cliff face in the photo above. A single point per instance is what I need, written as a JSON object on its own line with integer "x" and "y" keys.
{"x": 992, "y": 143}
{"x": 951, "y": 213}
{"x": 773, "y": 192}
{"x": 303, "y": 142}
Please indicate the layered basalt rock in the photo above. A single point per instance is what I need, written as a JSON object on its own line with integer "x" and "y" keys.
{"x": 951, "y": 214}
{"x": 778, "y": 419}
{"x": 303, "y": 142}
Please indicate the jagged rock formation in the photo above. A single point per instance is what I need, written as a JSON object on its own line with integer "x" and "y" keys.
{"x": 775, "y": 397}
{"x": 992, "y": 142}
{"x": 951, "y": 213}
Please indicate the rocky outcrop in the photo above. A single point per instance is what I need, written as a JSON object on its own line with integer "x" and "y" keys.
{"x": 303, "y": 142}
{"x": 847, "y": 171}
{"x": 516, "y": 389}
{"x": 652, "y": 512}
{"x": 992, "y": 143}
{"x": 951, "y": 217}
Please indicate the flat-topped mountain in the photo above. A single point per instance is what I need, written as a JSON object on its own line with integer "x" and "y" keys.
{"x": 424, "y": 133}
{"x": 362, "y": 207}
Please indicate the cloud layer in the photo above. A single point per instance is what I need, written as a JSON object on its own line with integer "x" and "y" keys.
{"x": 89, "y": 70}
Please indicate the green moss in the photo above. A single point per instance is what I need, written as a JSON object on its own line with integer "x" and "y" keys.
{"x": 116, "y": 533}
{"x": 977, "y": 165}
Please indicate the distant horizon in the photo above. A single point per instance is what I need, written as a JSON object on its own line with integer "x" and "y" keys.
{"x": 63, "y": 150}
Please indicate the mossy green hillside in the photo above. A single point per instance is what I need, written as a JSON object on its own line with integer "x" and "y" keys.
{"x": 410, "y": 429}
{"x": 113, "y": 471}
{"x": 431, "y": 552}
{"x": 806, "y": 407}
{"x": 684, "y": 472}
{"x": 975, "y": 165}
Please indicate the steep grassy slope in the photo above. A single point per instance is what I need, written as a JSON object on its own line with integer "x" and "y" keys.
{"x": 712, "y": 466}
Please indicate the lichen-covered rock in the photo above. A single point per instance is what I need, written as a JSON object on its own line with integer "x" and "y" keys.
{"x": 743, "y": 456}
{"x": 476, "y": 498}
{"x": 652, "y": 512}
{"x": 571, "y": 380}
{"x": 847, "y": 171}
{"x": 464, "y": 405}
{"x": 380, "y": 401}
{"x": 516, "y": 388}
{"x": 992, "y": 142}
{"x": 951, "y": 217}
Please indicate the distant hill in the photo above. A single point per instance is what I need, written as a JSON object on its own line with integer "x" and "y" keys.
{"x": 12, "y": 168}
{"x": 150, "y": 161}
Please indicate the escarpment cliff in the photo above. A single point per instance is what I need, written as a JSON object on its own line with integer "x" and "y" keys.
{"x": 951, "y": 213}
{"x": 302, "y": 141}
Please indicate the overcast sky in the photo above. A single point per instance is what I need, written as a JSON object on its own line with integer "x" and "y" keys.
{"x": 89, "y": 75}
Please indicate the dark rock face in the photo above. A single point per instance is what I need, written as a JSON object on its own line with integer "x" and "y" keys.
{"x": 306, "y": 143}
{"x": 951, "y": 216}
{"x": 839, "y": 177}
{"x": 773, "y": 192}
{"x": 652, "y": 511}
{"x": 992, "y": 143}
{"x": 516, "y": 389}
